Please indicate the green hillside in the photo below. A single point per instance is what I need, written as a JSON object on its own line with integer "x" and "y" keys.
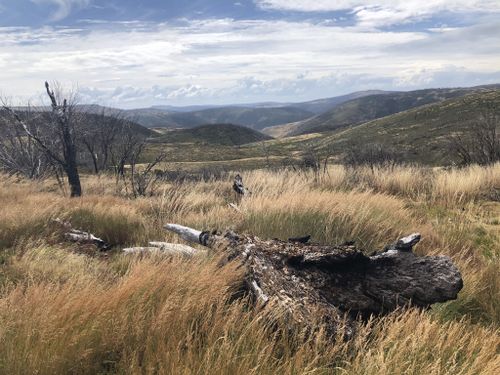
{"x": 420, "y": 134}
{"x": 319, "y": 106}
{"x": 91, "y": 115}
{"x": 368, "y": 108}
{"x": 151, "y": 117}
{"x": 216, "y": 134}
{"x": 255, "y": 118}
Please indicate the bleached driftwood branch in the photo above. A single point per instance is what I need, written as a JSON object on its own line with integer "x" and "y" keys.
{"x": 308, "y": 281}
{"x": 139, "y": 250}
{"x": 174, "y": 248}
{"x": 164, "y": 248}
{"x": 79, "y": 236}
{"x": 186, "y": 233}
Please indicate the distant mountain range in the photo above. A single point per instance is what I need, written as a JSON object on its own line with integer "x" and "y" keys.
{"x": 366, "y": 108}
{"x": 288, "y": 119}
{"x": 315, "y": 106}
{"x": 291, "y": 119}
{"x": 418, "y": 123}
{"x": 255, "y": 115}
{"x": 255, "y": 118}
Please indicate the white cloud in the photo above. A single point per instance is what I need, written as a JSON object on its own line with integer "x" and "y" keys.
{"x": 414, "y": 5}
{"x": 223, "y": 60}
{"x": 64, "y": 7}
{"x": 374, "y": 13}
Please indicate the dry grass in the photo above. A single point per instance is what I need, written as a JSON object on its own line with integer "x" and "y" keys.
{"x": 67, "y": 313}
{"x": 465, "y": 185}
{"x": 173, "y": 316}
{"x": 331, "y": 217}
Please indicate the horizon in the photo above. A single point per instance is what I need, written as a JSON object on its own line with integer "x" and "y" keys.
{"x": 249, "y": 104}
{"x": 236, "y": 104}
{"x": 243, "y": 52}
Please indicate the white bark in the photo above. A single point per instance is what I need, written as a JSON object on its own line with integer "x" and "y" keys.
{"x": 407, "y": 243}
{"x": 261, "y": 296}
{"x": 138, "y": 250}
{"x": 186, "y": 233}
{"x": 164, "y": 248}
{"x": 174, "y": 248}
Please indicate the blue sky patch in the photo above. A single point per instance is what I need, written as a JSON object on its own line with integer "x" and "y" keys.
{"x": 131, "y": 53}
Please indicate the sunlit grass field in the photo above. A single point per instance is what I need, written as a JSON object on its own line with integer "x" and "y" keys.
{"x": 64, "y": 311}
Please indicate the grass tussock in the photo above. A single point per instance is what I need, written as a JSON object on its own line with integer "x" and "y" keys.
{"x": 172, "y": 316}
{"x": 331, "y": 217}
{"x": 62, "y": 312}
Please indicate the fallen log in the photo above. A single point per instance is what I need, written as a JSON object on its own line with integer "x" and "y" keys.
{"x": 331, "y": 282}
{"x": 165, "y": 248}
{"x": 81, "y": 237}
{"x": 174, "y": 248}
{"x": 139, "y": 250}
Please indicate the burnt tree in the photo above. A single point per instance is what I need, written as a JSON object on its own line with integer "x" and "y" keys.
{"x": 100, "y": 136}
{"x": 306, "y": 281}
{"x": 480, "y": 142}
{"x": 20, "y": 155}
{"x": 55, "y": 135}
{"x": 371, "y": 155}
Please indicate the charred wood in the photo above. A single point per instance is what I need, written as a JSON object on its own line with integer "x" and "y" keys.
{"x": 306, "y": 281}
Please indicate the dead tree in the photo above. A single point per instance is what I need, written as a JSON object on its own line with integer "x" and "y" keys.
{"x": 240, "y": 191}
{"x": 305, "y": 281}
{"x": 164, "y": 248}
{"x": 480, "y": 143}
{"x": 56, "y": 137}
{"x": 126, "y": 155}
{"x": 20, "y": 155}
{"x": 142, "y": 180}
{"x": 121, "y": 154}
{"x": 100, "y": 136}
{"x": 371, "y": 155}
{"x": 316, "y": 161}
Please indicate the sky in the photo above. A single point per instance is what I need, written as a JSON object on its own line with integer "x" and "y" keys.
{"x": 139, "y": 53}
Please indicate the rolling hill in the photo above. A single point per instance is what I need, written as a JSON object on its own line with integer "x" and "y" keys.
{"x": 158, "y": 117}
{"x": 322, "y": 105}
{"x": 420, "y": 134}
{"x": 254, "y": 115}
{"x": 213, "y": 134}
{"x": 316, "y": 106}
{"x": 368, "y": 108}
{"x": 93, "y": 114}
{"x": 255, "y": 118}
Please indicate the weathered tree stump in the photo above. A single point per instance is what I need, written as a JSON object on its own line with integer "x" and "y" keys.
{"x": 308, "y": 281}
{"x": 238, "y": 186}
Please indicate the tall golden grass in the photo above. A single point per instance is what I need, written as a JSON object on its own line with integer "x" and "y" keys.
{"x": 67, "y": 313}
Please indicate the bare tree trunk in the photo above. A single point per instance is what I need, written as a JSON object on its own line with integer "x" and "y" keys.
{"x": 70, "y": 164}
{"x": 56, "y": 139}
{"x": 74, "y": 180}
